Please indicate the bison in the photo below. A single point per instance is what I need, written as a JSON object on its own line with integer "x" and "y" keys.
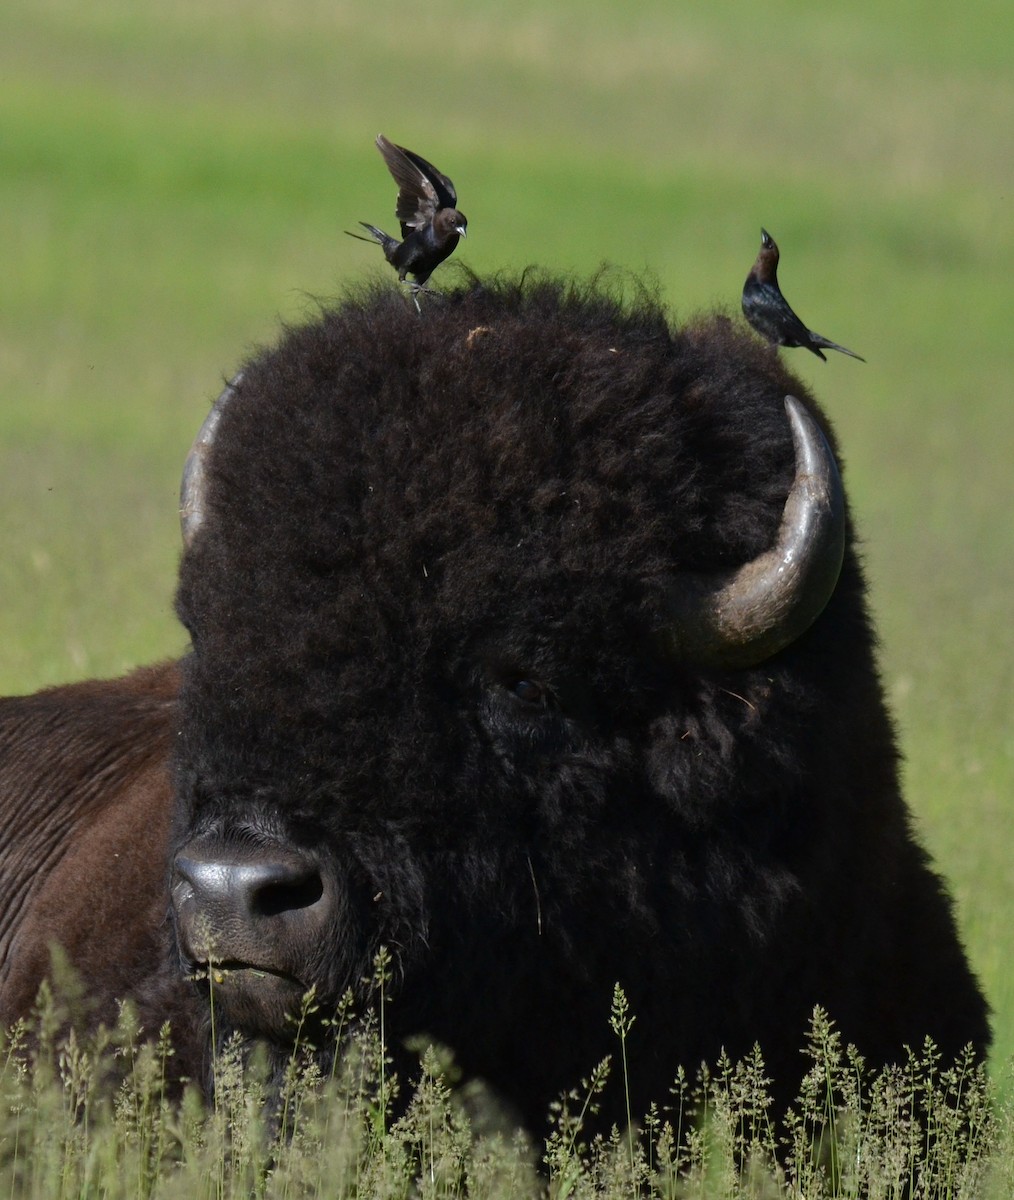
{"x": 528, "y": 640}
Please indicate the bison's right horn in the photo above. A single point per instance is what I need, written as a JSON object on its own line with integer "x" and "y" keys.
{"x": 739, "y": 618}
{"x": 194, "y": 469}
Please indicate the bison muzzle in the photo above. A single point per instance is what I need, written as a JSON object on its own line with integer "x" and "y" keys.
{"x": 249, "y": 919}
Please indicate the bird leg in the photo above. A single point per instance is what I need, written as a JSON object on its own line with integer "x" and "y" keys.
{"x": 415, "y": 289}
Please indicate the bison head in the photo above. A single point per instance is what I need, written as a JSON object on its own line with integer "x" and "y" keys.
{"x": 523, "y": 646}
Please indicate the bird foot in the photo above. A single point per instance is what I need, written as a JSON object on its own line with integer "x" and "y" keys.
{"x": 415, "y": 289}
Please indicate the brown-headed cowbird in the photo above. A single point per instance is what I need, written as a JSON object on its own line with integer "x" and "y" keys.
{"x": 768, "y": 311}
{"x": 427, "y": 209}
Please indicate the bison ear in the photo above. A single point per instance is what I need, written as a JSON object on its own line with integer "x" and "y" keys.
{"x": 739, "y": 618}
{"x": 192, "y": 499}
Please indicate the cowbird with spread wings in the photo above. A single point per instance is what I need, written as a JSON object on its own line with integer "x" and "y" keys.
{"x": 768, "y": 311}
{"x": 431, "y": 222}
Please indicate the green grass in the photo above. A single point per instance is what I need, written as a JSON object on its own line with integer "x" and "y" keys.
{"x": 97, "y": 1115}
{"x": 174, "y": 179}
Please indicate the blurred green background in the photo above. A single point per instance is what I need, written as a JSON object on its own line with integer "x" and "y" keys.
{"x": 175, "y": 177}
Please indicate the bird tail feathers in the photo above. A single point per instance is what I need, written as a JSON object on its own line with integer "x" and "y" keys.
{"x": 376, "y": 235}
{"x": 817, "y": 340}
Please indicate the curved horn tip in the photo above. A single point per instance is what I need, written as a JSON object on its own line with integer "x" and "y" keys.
{"x": 807, "y": 435}
{"x": 795, "y": 408}
{"x": 193, "y": 479}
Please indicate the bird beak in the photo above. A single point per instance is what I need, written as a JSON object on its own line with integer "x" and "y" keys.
{"x": 460, "y": 229}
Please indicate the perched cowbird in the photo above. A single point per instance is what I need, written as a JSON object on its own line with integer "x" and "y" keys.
{"x": 430, "y": 221}
{"x": 768, "y": 311}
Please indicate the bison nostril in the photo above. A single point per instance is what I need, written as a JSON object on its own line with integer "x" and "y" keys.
{"x": 273, "y": 897}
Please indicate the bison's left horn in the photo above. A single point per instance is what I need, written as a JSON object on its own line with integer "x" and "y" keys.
{"x": 740, "y": 617}
{"x": 195, "y": 468}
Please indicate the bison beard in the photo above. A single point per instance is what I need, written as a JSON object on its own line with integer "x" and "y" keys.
{"x": 447, "y": 694}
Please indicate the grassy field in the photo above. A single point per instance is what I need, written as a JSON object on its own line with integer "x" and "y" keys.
{"x": 174, "y": 180}
{"x": 923, "y": 1129}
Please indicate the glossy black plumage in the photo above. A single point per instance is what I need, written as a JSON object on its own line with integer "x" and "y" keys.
{"x": 768, "y": 311}
{"x": 427, "y": 211}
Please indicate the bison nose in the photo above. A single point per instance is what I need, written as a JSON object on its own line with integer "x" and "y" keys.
{"x": 263, "y": 907}
{"x": 249, "y": 890}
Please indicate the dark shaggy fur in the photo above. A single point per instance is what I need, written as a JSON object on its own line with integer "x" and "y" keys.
{"x": 425, "y": 606}
{"x": 424, "y": 609}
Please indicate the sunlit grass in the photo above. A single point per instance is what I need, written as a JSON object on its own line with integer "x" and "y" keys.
{"x": 100, "y": 1115}
{"x": 174, "y": 180}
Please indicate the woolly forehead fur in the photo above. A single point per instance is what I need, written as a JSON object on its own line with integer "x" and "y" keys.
{"x": 527, "y": 456}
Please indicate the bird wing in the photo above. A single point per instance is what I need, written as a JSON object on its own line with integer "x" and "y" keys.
{"x": 421, "y": 187}
{"x": 443, "y": 187}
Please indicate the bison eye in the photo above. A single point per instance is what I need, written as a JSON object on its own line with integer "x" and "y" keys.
{"x": 533, "y": 694}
